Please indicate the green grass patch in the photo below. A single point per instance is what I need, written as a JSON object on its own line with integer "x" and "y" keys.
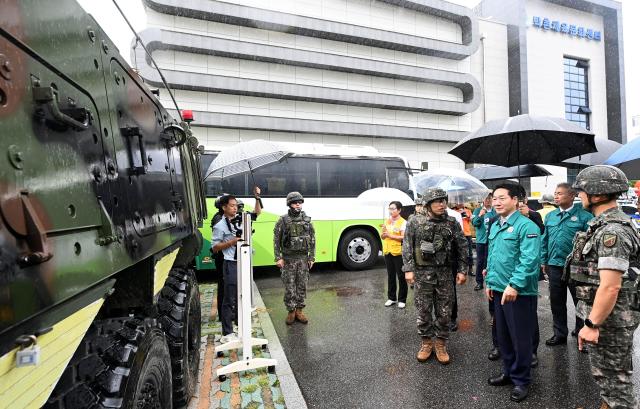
{"x": 249, "y": 388}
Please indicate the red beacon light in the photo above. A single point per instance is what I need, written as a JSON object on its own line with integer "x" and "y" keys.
{"x": 187, "y": 115}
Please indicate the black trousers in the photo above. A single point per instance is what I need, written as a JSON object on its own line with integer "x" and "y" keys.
{"x": 558, "y": 298}
{"x": 394, "y": 272}
{"x": 494, "y": 333}
{"x": 218, "y": 259}
{"x": 516, "y": 322}
{"x": 482, "y": 250}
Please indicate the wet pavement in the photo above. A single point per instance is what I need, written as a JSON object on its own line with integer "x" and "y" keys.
{"x": 356, "y": 353}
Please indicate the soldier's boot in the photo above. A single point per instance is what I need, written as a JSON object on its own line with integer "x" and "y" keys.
{"x": 300, "y": 316}
{"x": 425, "y": 349}
{"x": 441, "y": 351}
{"x": 604, "y": 405}
{"x": 291, "y": 317}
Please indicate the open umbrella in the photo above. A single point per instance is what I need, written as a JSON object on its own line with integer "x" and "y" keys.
{"x": 627, "y": 158}
{"x": 524, "y": 139}
{"x": 493, "y": 172}
{"x": 245, "y": 157}
{"x": 380, "y": 197}
{"x": 605, "y": 148}
{"x": 460, "y": 186}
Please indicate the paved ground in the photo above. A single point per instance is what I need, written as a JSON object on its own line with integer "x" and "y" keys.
{"x": 355, "y": 353}
{"x": 255, "y": 389}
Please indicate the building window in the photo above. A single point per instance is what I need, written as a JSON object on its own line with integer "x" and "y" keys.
{"x": 576, "y": 91}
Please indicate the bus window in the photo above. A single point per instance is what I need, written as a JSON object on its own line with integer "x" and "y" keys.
{"x": 298, "y": 174}
{"x": 350, "y": 177}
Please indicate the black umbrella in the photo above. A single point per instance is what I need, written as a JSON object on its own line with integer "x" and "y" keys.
{"x": 525, "y": 139}
{"x": 493, "y": 172}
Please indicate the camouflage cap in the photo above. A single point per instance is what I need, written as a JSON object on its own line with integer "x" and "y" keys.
{"x": 601, "y": 180}
{"x": 294, "y": 197}
{"x": 434, "y": 193}
{"x": 547, "y": 198}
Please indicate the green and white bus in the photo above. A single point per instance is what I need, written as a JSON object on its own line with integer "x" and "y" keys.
{"x": 330, "y": 177}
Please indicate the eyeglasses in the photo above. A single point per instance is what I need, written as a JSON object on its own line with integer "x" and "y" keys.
{"x": 392, "y": 208}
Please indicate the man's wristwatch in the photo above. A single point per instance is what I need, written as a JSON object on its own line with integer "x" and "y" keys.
{"x": 590, "y": 324}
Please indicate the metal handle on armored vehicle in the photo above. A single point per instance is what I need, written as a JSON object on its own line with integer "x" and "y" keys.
{"x": 47, "y": 95}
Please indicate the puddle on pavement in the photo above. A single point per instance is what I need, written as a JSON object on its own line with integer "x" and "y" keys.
{"x": 346, "y": 291}
{"x": 395, "y": 369}
{"x": 465, "y": 325}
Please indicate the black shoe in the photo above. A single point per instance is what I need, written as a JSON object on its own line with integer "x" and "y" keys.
{"x": 478, "y": 287}
{"x": 519, "y": 393}
{"x": 453, "y": 326}
{"x": 554, "y": 340}
{"x": 494, "y": 354}
{"x": 500, "y": 380}
{"x": 534, "y": 361}
{"x": 574, "y": 333}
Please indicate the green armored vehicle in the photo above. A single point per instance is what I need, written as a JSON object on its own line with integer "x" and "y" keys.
{"x": 100, "y": 204}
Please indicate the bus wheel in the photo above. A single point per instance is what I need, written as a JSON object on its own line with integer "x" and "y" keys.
{"x": 358, "y": 250}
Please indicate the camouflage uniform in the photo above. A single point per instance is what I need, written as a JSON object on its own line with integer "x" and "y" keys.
{"x": 427, "y": 250}
{"x": 294, "y": 241}
{"x": 611, "y": 242}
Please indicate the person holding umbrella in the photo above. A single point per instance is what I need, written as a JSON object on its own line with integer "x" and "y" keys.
{"x": 512, "y": 284}
{"x": 562, "y": 224}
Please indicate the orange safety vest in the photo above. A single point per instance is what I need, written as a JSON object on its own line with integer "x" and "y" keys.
{"x": 390, "y": 246}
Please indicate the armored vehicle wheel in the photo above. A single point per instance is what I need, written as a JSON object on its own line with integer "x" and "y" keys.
{"x": 358, "y": 250}
{"x": 179, "y": 315}
{"x": 120, "y": 363}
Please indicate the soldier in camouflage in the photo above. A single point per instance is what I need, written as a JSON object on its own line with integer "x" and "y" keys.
{"x": 431, "y": 240}
{"x": 294, "y": 247}
{"x": 603, "y": 265}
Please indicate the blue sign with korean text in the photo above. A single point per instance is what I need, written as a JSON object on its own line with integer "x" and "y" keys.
{"x": 561, "y": 27}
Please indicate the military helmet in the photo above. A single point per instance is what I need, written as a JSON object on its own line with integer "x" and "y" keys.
{"x": 294, "y": 197}
{"x": 547, "y": 198}
{"x": 601, "y": 180}
{"x": 434, "y": 193}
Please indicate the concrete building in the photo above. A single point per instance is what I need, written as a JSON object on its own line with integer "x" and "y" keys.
{"x": 403, "y": 76}
{"x": 565, "y": 60}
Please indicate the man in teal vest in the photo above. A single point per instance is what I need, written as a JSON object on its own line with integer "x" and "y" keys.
{"x": 561, "y": 225}
{"x": 480, "y": 220}
{"x": 513, "y": 266}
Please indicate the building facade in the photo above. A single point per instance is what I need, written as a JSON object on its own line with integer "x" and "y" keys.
{"x": 406, "y": 77}
{"x": 410, "y": 77}
{"x": 565, "y": 60}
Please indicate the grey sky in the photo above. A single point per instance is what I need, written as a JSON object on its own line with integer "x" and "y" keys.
{"x": 108, "y": 17}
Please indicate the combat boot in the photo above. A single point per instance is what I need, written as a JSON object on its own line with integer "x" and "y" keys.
{"x": 425, "y": 349}
{"x": 441, "y": 351}
{"x": 300, "y": 316}
{"x": 290, "y": 317}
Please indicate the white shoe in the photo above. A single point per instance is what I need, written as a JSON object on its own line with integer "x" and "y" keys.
{"x": 389, "y": 303}
{"x": 228, "y": 338}
{"x": 401, "y": 305}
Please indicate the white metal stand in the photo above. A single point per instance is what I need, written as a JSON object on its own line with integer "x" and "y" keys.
{"x": 245, "y": 308}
